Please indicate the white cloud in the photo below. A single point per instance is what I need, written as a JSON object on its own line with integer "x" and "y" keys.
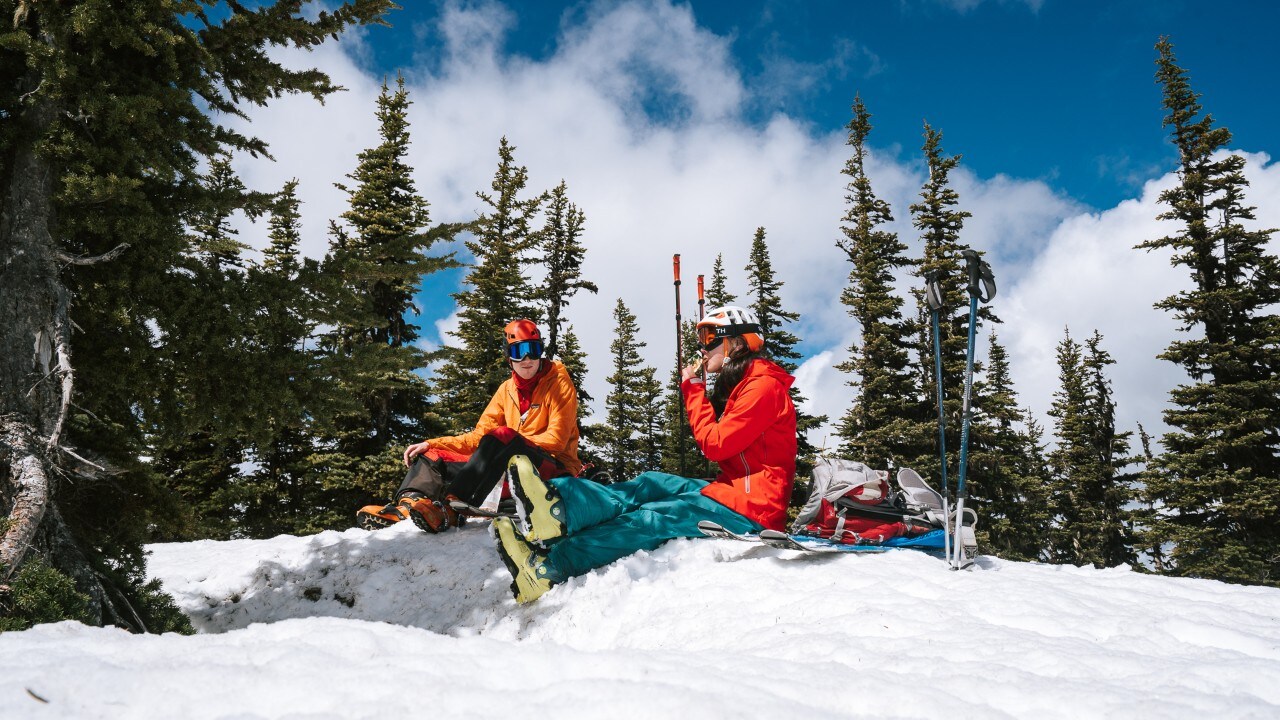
{"x": 1089, "y": 277}
{"x": 474, "y": 34}
{"x": 642, "y": 112}
{"x": 448, "y": 327}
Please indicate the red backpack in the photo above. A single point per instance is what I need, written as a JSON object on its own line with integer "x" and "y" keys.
{"x": 853, "y": 504}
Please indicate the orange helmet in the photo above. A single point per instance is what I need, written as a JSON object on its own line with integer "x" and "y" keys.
{"x": 730, "y": 321}
{"x": 523, "y": 340}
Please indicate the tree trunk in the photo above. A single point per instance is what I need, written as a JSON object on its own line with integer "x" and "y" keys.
{"x": 29, "y": 291}
{"x": 35, "y": 366}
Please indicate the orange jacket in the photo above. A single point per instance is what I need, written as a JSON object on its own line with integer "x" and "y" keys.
{"x": 551, "y": 422}
{"x": 754, "y": 441}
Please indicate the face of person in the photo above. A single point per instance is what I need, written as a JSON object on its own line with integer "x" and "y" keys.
{"x": 526, "y": 368}
{"x": 714, "y": 360}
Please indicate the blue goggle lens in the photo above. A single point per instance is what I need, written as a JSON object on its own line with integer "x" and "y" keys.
{"x": 525, "y": 349}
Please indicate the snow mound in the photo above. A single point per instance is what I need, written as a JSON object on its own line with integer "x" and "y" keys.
{"x": 397, "y": 623}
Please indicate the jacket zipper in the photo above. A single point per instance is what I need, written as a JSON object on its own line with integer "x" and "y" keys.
{"x": 514, "y": 397}
{"x": 524, "y": 416}
{"x": 743, "y": 457}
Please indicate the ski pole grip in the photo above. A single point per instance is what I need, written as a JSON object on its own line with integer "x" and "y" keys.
{"x": 988, "y": 284}
{"x": 933, "y": 290}
{"x": 971, "y": 262}
{"x": 982, "y": 283}
{"x": 675, "y": 267}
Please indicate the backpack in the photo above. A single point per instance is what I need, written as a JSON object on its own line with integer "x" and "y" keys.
{"x": 853, "y": 504}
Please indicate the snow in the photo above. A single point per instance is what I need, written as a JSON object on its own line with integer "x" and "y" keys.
{"x": 397, "y": 623}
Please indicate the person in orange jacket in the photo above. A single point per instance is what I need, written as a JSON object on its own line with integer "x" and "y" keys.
{"x": 747, "y": 423}
{"x": 534, "y": 414}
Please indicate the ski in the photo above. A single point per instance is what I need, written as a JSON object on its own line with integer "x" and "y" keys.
{"x": 472, "y": 511}
{"x": 929, "y": 542}
{"x": 805, "y": 544}
{"x": 716, "y": 530}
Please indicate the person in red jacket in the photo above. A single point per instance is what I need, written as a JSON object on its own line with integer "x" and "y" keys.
{"x": 747, "y": 423}
{"x": 534, "y": 414}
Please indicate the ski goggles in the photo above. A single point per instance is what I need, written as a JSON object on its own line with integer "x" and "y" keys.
{"x": 707, "y": 340}
{"x": 525, "y": 350}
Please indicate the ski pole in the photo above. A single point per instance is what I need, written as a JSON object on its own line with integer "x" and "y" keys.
{"x": 675, "y": 265}
{"x": 933, "y": 295}
{"x": 982, "y": 286}
{"x": 702, "y": 313}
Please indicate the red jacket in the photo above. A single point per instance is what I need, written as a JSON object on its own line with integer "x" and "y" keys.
{"x": 754, "y": 441}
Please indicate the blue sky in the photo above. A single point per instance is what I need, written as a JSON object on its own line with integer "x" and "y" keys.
{"x": 683, "y": 128}
{"x": 1057, "y": 90}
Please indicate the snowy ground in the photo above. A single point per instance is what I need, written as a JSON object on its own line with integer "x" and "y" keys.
{"x": 398, "y": 624}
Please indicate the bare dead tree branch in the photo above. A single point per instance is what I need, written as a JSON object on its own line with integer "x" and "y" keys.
{"x": 111, "y": 254}
{"x": 35, "y": 387}
{"x": 63, "y": 339}
{"x": 90, "y": 463}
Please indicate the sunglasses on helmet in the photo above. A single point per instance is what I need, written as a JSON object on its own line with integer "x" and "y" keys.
{"x": 525, "y": 350}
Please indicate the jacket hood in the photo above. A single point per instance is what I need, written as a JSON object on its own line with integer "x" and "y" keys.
{"x": 768, "y": 368}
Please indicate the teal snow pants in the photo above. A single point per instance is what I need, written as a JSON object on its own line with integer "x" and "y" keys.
{"x": 607, "y": 522}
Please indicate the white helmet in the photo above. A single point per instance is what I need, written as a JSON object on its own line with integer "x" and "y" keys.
{"x": 730, "y": 321}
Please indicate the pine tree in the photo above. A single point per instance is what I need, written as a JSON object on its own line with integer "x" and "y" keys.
{"x": 626, "y": 411}
{"x": 1009, "y": 479}
{"x": 1089, "y": 493}
{"x": 1219, "y": 476}
{"x": 652, "y": 424}
{"x": 717, "y": 293}
{"x": 882, "y": 427}
{"x": 574, "y": 359}
{"x": 204, "y": 432}
{"x": 279, "y": 496}
{"x": 940, "y": 222}
{"x": 1071, "y": 461}
{"x": 562, "y": 256}
{"x": 108, "y": 117}
{"x": 780, "y": 342}
{"x": 498, "y": 291}
{"x": 376, "y": 263}
{"x": 1037, "y": 520}
{"x": 1146, "y": 540}
{"x": 1117, "y": 488}
{"x": 199, "y": 442}
{"x": 680, "y": 453}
